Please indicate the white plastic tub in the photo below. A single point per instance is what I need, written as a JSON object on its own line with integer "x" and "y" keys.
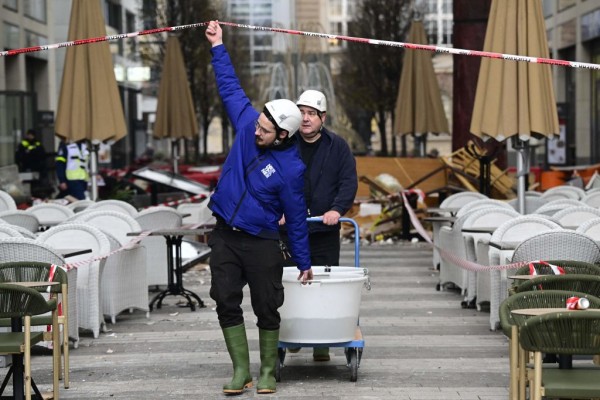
{"x": 325, "y": 311}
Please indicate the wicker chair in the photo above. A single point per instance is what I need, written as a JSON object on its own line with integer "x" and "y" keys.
{"x": 483, "y": 203}
{"x": 88, "y": 281}
{"x": 21, "y": 218}
{"x": 117, "y": 223}
{"x": 552, "y": 207}
{"x": 25, "y": 249}
{"x": 124, "y": 283}
{"x": 21, "y": 302}
{"x": 156, "y": 260}
{"x": 8, "y": 231}
{"x": 569, "y": 333}
{"x": 575, "y": 216}
{"x": 51, "y": 213}
{"x": 592, "y": 199}
{"x": 509, "y": 322}
{"x": 486, "y": 217}
{"x": 578, "y": 282}
{"x": 80, "y": 205}
{"x": 457, "y": 200}
{"x": 114, "y": 205}
{"x": 590, "y": 228}
{"x": 570, "y": 268}
{"x": 564, "y": 191}
{"x": 532, "y": 203}
{"x": 37, "y": 271}
{"x": 492, "y": 286}
{"x": 7, "y": 203}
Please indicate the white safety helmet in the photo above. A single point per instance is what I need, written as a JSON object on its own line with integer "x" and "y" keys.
{"x": 314, "y": 99}
{"x": 284, "y": 114}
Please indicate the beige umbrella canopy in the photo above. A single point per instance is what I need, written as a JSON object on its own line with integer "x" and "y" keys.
{"x": 515, "y": 99}
{"x": 89, "y": 106}
{"x": 419, "y": 108}
{"x": 175, "y": 114}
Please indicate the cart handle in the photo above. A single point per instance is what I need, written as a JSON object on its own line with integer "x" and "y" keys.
{"x": 356, "y": 235}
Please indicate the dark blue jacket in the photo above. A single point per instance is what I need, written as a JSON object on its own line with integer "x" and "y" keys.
{"x": 332, "y": 177}
{"x": 257, "y": 186}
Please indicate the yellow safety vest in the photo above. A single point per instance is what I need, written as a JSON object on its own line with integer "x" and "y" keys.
{"x": 77, "y": 162}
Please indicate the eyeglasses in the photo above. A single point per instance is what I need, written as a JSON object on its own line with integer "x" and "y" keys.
{"x": 310, "y": 113}
{"x": 262, "y": 129}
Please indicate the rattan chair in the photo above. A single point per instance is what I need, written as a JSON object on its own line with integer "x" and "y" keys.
{"x": 591, "y": 228}
{"x": 578, "y": 282}
{"x": 492, "y": 286}
{"x": 553, "y": 206}
{"x": 20, "y": 302}
{"x": 113, "y": 205}
{"x": 570, "y": 268}
{"x": 592, "y": 199}
{"x": 572, "y": 217}
{"x": 21, "y": 218}
{"x": 84, "y": 236}
{"x": 156, "y": 261}
{"x": 34, "y": 272}
{"x": 51, "y": 213}
{"x": 124, "y": 284}
{"x": 80, "y": 205}
{"x": 8, "y": 231}
{"x": 456, "y": 200}
{"x": 7, "y": 203}
{"x": 25, "y": 249}
{"x": 509, "y": 322}
{"x": 568, "y": 333}
{"x": 564, "y": 191}
{"x": 532, "y": 203}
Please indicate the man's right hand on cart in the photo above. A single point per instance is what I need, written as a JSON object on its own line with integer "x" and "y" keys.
{"x": 306, "y": 276}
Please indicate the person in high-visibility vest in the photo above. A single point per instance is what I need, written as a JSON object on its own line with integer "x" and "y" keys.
{"x": 30, "y": 155}
{"x": 72, "y": 169}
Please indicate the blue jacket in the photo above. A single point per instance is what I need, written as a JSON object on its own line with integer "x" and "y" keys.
{"x": 257, "y": 186}
{"x": 332, "y": 179}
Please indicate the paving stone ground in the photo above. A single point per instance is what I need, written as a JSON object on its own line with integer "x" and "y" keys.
{"x": 419, "y": 345}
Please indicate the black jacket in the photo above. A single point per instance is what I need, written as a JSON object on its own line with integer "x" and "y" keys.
{"x": 332, "y": 178}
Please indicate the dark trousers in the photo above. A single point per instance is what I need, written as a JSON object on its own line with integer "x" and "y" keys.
{"x": 324, "y": 248}
{"x": 237, "y": 259}
{"x": 77, "y": 188}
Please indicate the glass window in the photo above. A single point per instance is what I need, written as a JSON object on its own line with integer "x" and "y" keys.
{"x": 263, "y": 40}
{"x": 12, "y": 4}
{"x": 35, "y": 9}
{"x": 113, "y": 16}
{"x": 33, "y": 39}
{"x": 547, "y": 6}
{"x": 11, "y": 36}
{"x": 447, "y": 7}
{"x": 562, "y": 4}
{"x": 335, "y": 8}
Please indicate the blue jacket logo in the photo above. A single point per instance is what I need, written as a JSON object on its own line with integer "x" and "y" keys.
{"x": 268, "y": 171}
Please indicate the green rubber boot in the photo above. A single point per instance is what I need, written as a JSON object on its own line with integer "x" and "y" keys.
{"x": 237, "y": 346}
{"x": 268, "y": 361}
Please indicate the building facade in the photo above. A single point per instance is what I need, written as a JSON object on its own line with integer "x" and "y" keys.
{"x": 573, "y": 28}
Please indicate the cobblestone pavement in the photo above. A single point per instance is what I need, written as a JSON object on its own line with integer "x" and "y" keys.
{"x": 419, "y": 345}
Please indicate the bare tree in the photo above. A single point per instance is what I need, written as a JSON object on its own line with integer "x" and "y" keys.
{"x": 369, "y": 84}
{"x": 197, "y": 57}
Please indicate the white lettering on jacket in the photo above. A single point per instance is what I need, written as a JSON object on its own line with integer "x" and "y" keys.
{"x": 268, "y": 171}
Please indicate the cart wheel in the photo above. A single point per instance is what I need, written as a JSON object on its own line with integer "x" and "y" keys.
{"x": 353, "y": 364}
{"x": 279, "y": 364}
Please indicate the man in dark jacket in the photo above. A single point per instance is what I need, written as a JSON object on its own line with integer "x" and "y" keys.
{"x": 330, "y": 183}
{"x": 262, "y": 179}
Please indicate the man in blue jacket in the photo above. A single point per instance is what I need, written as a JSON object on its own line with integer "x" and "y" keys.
{"x": 330, "y": 183}
{"x": 261, "y": 180}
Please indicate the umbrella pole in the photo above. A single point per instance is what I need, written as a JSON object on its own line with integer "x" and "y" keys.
{"x": 94, "y": 171}
{"x": 175, "y": 150}
{"x": 522, "y": 148}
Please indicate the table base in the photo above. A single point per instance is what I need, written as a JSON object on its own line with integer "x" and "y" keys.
{"x": 188, "y": 294}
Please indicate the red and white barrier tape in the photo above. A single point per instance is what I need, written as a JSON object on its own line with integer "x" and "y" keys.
{"x": 134, "y": 241}
{"x": 411, "y": 46}
{"x": 181, "y": 201}
{"x": 448, "y": 255}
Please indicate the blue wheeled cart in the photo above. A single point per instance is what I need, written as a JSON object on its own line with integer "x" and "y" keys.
{"x": 324, "y": 313}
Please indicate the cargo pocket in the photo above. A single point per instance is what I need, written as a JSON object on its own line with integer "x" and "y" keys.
{"x": 277, "y": 297}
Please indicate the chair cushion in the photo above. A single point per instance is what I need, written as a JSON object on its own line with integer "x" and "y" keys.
{"x": 10, "y": 342}
{"x": 576, "y": 383}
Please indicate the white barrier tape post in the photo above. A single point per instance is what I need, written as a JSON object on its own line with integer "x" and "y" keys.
{"x": 411, "y": 46}
{"x": 449, "y": 256}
